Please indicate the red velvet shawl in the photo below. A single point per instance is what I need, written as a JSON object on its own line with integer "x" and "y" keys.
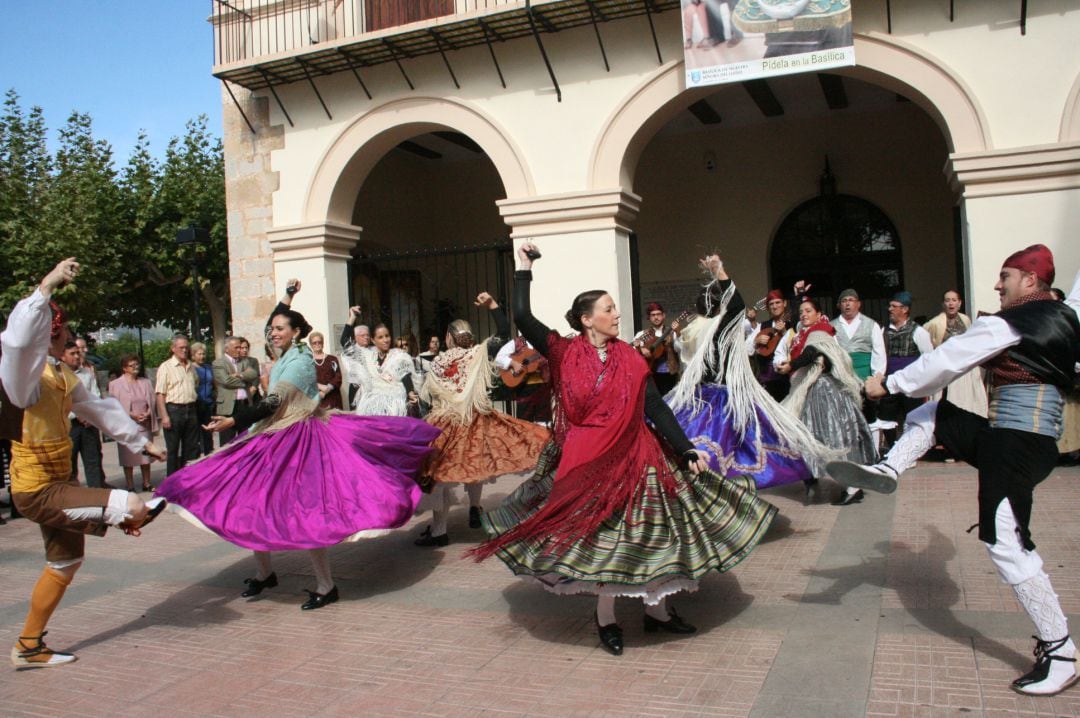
{"x": 607, "y": 448}
{"x": 821, "y": 325}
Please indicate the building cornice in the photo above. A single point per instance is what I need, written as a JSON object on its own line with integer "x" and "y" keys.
{"x": 571, "y": 212}
{"x": 1018, "y": 170}
{"x": 319, "y": 240}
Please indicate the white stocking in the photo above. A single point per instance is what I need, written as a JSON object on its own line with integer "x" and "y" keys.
{"x": 263, "y": 566}
{"x": 1023, "y": 570}
{"x": 658, "y": 610}
{"x": 1037, "y": 597}
{"x": 441, "y": 500}
{"x": 605, "y": 610}
{"x": 917, "y": 439}
{"x": 320, "y": 561}
{"x": 474, "y": 491}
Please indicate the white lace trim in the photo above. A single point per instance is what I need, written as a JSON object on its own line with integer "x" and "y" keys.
{"x": 651, "y": 593}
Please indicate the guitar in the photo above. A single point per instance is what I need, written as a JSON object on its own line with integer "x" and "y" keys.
{"x": 774, "y": 335}
{"x": 656, "y": 344}
{"x": 529, "y": 359}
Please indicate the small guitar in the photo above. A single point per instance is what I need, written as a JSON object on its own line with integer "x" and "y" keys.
{"x": 529, "y": 359}
{"x": 774, "y": 335}
{"x": 656, "y": 344}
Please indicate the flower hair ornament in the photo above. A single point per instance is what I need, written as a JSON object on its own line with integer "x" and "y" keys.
{"x": 59, "y": 319}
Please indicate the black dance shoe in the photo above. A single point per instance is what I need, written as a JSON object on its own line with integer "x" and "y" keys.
{"x": 674, "y": 624}
{"x": 846, "y": 499}
{"x": 426, "y": 539}
{"x": 255, "y": 586}
{"x": 610, "y": 637}
{"x": 318, "y": 600}
{"x": 474, "y": 517}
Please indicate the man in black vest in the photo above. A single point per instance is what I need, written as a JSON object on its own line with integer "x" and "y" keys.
{"x": 1030, "y": 349}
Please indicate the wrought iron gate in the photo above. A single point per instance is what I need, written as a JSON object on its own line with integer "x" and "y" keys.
{"x": 420, "y": 292}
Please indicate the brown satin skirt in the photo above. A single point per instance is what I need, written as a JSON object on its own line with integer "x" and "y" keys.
{"x": 492, "y": 445}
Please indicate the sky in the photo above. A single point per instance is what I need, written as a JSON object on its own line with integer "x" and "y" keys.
{"x": 129, "y": 65}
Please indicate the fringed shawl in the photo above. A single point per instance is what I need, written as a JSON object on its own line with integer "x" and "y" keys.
{"x": 842, "y": 370}
{"x": 459, "y": 384}
{"x": 747, "y": 398}
{"x": 382, "y": 392}
{"x": 607, "y": 449}
{"x": 292, "y": 380}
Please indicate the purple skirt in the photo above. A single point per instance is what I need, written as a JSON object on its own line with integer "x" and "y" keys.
{"x": 763, "y": 457}
{"x": 310, "y": 485}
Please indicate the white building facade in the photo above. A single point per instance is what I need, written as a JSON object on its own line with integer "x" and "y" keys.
{"x": 962, "y": 134}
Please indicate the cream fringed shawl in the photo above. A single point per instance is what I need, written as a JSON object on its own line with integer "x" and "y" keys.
{"x": 293, "y": 390}
{"x": 842, "y": 370}
{"x": 747, "y": 399}
{"x": 382, "y": 392}
{"x": 459, "y": 384}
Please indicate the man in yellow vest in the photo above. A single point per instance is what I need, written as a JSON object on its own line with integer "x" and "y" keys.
{"x": 41, "y": 486}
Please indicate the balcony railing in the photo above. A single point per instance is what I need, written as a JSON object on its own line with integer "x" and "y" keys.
{"x": 249, "y": 29}
{"x": 261, "y": 44}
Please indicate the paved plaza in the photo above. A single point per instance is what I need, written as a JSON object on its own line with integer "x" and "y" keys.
{"x": 887, "y": 608}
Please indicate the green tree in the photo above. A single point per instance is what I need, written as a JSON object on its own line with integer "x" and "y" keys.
{"x": 81, "y": 217}
{"x": 25, "y": 167}
{"x": 121, "y": 226}
{"x": 188, "y": 189}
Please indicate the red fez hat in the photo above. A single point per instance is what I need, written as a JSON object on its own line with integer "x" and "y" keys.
{"x": 1037, "y": 259}
{"x": 653, "y": 307}
{"x": 774, "y": 294}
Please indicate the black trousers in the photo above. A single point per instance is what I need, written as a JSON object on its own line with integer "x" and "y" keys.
{"x": 1011, "y": 464}
{"x": 86, "y": 442}
{"x": 203, "y": 412}
{"x": 182, "y": 441}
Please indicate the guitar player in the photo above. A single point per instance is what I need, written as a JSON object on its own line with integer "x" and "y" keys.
{"x": 527, "y": 379}
{"x": 665, "y": 367}
{"x": 762, "y": 343}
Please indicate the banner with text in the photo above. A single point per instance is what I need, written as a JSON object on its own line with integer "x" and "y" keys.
{"x": 737, "y": 40}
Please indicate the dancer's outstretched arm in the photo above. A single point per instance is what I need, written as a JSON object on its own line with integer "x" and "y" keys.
{"x": 534, "y": 330}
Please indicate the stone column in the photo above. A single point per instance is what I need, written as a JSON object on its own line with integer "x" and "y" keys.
{"x": 318, "y": 255}
{"x": 249, "y": 188}
{"x": 583, "y": 237}
{"x": 1014, "y": 198}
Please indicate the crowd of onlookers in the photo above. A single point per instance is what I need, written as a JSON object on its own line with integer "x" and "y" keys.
{"x": 186, "y": 390}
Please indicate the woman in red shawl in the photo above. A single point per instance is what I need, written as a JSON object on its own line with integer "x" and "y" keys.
{"x": 825, "y": 395}
{"x": 618, "y": 517}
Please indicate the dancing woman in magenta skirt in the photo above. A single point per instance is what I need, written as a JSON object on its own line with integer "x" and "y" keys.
{"x": 301, "y": 477}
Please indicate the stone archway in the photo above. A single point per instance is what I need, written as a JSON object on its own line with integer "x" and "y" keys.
{"x": 883, "y": 60}
{"x": 343, "y": 168}
{"x": 1070, "y": 117}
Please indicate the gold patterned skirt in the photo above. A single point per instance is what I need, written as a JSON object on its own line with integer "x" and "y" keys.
{"x": 491, "y": 445}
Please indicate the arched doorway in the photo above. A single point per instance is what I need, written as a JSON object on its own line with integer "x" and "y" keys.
{"x": 836, "y": 241}
{"x": 432, "y": 236}
{"x": 414, "y": 178}
{"x": 724, "y": 173}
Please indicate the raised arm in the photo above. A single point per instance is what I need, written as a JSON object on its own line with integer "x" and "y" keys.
{"x": 27, "y": 336}
{"x": 534, "y": 330}
{"x": 348, "y": 335}
{"x": 291, "y": 288}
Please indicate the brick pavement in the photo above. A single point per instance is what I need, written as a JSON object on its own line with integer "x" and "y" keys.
{"x": 886, "y": 608}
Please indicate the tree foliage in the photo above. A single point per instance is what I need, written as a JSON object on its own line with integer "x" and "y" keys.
{"x": 121, "y": 225}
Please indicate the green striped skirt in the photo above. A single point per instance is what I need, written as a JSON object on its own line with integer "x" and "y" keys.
{"x": 666, "y": 545}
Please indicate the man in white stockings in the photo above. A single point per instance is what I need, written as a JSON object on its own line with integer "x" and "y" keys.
{"x": 46, "y": 391}
{"x": 1030, "y": 349}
